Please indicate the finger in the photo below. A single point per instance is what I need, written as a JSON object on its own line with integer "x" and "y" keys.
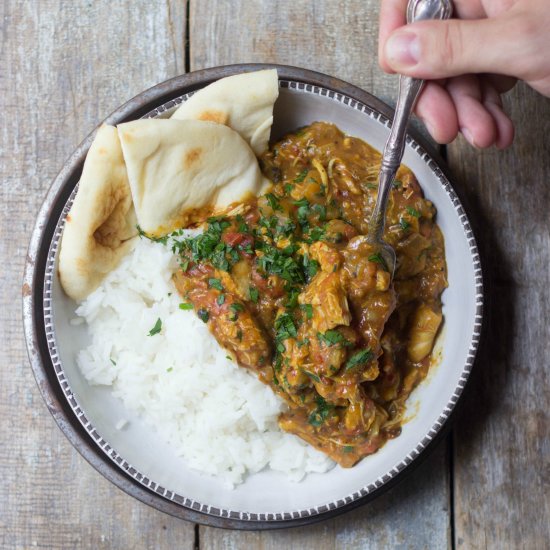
{"x": 505, "y": 126}
{"x": 392, "y": 16}
{"x": 474, "y": 120}
{"x": 442, "y": 49}
{"x": 468, "y": 9}
{"x": 436, "y": 110}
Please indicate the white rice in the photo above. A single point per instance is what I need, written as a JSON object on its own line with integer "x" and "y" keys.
{"x": 217, "y": 416}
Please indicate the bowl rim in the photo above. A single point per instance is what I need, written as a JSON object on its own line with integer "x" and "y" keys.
{"x": 33, "y": 293}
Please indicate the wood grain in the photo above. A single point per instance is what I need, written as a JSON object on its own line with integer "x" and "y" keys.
{"x": 65, "y": 66}
{"x": 338, "y": 38}
{"x": 502, "y": 452}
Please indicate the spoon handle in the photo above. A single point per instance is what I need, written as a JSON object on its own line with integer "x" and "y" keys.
{"x": 409, "y": 89}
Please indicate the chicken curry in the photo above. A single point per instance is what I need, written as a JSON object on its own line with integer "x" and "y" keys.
{"x": 289, "y": 285}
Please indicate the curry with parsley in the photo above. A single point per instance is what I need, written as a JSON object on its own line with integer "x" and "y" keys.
{"x": 289, "y": 285}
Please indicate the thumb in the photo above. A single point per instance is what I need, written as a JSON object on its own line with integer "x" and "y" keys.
{"x": 442, "y": 49}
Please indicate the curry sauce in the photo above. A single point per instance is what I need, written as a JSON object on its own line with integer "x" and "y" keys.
{"x": 288, "y": 283}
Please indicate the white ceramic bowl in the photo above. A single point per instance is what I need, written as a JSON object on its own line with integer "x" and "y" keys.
{"x": 136, "y": 458}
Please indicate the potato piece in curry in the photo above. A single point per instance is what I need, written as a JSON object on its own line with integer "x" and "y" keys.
{"x": 288, "y": 283}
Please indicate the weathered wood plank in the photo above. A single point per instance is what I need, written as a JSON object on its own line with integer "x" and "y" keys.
{"x": 338, "y": 39}
{"x": 414, "y": 514}
{"x": 65, "y": 66}
{"x": 502, "y": 457}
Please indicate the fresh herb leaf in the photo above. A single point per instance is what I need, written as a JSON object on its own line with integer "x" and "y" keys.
{"x": 313, "y": 376}
{"x": 321, "y": 413}
{"x": 203, "y": 315}
{"x": 301, "y": 176}
{"x": 273, "y": 202}
{"x": 396, "y": 184}
{"x": 288, "y": 187}
{"x": 161, "y": 240}
{"x": 285, "y": 327}
{"x": 348, "y": 448}
{"x": 413, "y": 211}
{"x": 215, "y": 283}
{"x": 254, "y": 294}
{"x": 360, "y": 358}
{"x": 333, "y": 337}
{"x": 220, "y": 300}
{"x": 308, "y": 310}
{"x": 186, "y": 307}
{"x": 311, "y": 267}
{"x": 237, "y": 307}
{"x": 156, "y": 329}
{"x": 239, "y": 335}
{"x": 377, "y": 259}
{"x": 404, "y": 224}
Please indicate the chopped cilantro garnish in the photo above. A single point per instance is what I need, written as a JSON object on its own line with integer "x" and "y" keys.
{"x": 321, "y": 211}
{"x": 288, "y": 187}
{"x": 413, "y": 211}
{"x": 237, "y": 307}
{"x": 273, "y": 201}
{"x": 220, "y": 300}
{"x": 332, "y": 337}
{"x": 310, "y": 266}
{"x": 275, "y": 262}
{"x": 156, "y": 329}
{"x": 285, "y": 327}
{"x": 348, "y": 448}
{"x": 313, "y": 376}
{"x": 186, "y": 307}
{"x": 301, "y": 176}
{"x": 239, "y": 335}
{"x": 404, "y": 224}
{"x": 254, "y": 294}
{"x": 203, "y": 315}
{"x": 303, "y": 211}
{"x": 308, "y": 310}
{"x": 215, "y": 283}
{"x": 360, "y": 358}
{"x": 161, "y": 240}
{"x": 209, "y": 245}
{"x": 321, "y": 413}
{"x": 377, "y": 259}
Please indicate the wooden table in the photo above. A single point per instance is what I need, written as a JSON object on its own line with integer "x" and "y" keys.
{"x": 65, "y": 66}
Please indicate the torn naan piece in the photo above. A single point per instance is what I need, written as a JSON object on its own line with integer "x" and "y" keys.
{"x": 180, "y": 169}
{"x": 243, "y": 101}
{"x": 101, "y": 220}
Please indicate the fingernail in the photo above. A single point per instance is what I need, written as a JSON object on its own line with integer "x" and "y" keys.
{"x": 466, "y": 133}
{"x": 403, "y": 49}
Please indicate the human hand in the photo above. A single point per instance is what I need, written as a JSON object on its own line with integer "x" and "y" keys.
{"x": 470, "y": 62}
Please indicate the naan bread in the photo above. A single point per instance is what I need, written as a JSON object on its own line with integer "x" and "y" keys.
{"x": 101, "y": 220}
{"x": 177, "y": 167}
{"x": 243, "y": 101}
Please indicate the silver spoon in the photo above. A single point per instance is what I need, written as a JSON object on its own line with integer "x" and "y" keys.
{"x": 409, "y": 89}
